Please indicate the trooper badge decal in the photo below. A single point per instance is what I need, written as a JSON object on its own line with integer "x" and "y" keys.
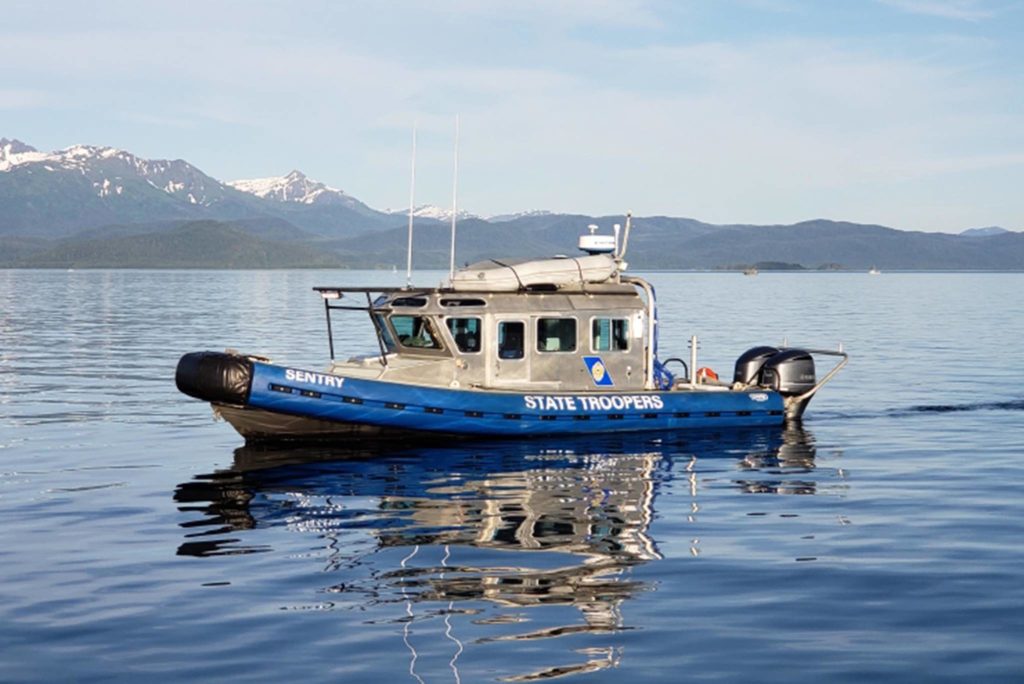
{"x": 598, "y": 372}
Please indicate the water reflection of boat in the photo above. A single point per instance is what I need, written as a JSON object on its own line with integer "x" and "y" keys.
{"x": 779, "y": 468}
{"x": 518, "y": 526}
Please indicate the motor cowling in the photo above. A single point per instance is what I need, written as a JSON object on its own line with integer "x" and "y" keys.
{"x": 215, "y": 376}
{"x": 750, "y": 363}
{"x": 789, "y": 372}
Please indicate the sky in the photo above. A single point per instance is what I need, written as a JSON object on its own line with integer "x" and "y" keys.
{"x": 905, "y": 113}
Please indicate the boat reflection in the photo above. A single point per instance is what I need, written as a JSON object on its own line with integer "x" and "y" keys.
{"x": 776, "y": 467}
{"x": 511, "y": 525}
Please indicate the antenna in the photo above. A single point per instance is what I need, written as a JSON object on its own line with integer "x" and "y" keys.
{"x": 455, "y": 195}
{"x": 412, "y": 195}
{"x": 625, "y": 236}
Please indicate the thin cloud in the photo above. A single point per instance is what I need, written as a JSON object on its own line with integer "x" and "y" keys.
{"x": 23, "y": 99}
{"x": 963, "y": 10}
{"x": 638, "y": 13}
{"x": 562, "y": 112}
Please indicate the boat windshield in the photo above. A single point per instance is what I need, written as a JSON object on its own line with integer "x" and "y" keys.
{"x": 415, "y": 331}
{"x": 385, "y": 334}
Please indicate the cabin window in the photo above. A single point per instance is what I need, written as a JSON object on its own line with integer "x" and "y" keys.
{"x": 409, "y": 301}
{"x": 466, "y": 333}
{"x": 415, "y": 331}
{"x": 609, "y": 334}
{"x": 556, "y": 334}
{"x": 511, "y": 335}
{"x": 385, "y": 333}
{"x": 463, "y": 302}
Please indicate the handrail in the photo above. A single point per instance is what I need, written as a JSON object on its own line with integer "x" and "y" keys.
{"x": 828, "y": 376}
{"x": 649, "y": 355}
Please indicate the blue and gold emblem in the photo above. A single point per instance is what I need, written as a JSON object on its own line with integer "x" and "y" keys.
{"x": 599, "y": 374}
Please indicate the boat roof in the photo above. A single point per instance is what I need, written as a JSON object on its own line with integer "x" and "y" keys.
{"x": 594, "y": 274}
{"x": 582, "y": 288}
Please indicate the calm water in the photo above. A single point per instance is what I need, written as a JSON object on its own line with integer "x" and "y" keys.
{"x": 882, "y": 542}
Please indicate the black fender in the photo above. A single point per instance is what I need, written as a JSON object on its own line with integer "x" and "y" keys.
{"x": 215, "y": 376}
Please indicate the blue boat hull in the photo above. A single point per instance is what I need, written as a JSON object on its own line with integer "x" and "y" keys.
{"x": 319, "y": 401}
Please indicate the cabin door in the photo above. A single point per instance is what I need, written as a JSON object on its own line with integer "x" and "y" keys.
{"x": 510, "y": 362}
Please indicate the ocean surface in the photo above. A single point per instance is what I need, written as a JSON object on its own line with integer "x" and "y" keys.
{"x": 882, "y": 541}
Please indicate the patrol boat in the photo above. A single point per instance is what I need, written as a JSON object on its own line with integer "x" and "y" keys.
{"x": 566, "y": 345}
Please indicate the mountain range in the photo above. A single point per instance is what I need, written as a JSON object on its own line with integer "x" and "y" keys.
{"x": 90, "y": 206}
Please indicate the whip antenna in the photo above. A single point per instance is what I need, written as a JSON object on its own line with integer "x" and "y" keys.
{"x": 455, "y": 196}
{"x": 412, "y": 195}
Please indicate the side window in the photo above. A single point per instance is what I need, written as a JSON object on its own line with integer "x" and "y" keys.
{"x": 609, "y": 334}
{"x": 466, "y": 333}
{"x": 415, "y": 331}
{"x": 511, "y": 335}
{"x": 556, "y": 334}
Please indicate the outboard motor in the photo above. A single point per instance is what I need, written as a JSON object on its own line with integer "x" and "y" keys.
{"x": 789, "y": 372}
{"x": 748, "y": 366}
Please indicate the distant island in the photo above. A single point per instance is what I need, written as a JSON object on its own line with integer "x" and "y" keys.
{"x": 779, "y": 266}
{"x": 100, "y": 207}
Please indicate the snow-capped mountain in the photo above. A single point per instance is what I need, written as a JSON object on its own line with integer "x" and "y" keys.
{"x": 296, "y": 187}
{"x": 10, "y": 148}
{"x": 500, "y": 218}
{"x": 113, "y": 172}
{"x": 109, "y": 206}
{"x": 987, "y": 231}
{"x": 53, "y": 194}
{"x": 432, "y": 211}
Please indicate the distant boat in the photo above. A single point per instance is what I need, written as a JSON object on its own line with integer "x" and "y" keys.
{"x": 752, "y": 271}
{"x": 874, "y": 271}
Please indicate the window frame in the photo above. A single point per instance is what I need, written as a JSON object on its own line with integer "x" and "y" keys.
{"x": 409, "y": 302}
{"x": 497, "y": 338}
{"x": 479, "y": 332}
{"x": 612, "y": 319}
{"x": 434, "y": 333}
{"x": 575, "y": 337}
{"x": 462, "y": 302}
